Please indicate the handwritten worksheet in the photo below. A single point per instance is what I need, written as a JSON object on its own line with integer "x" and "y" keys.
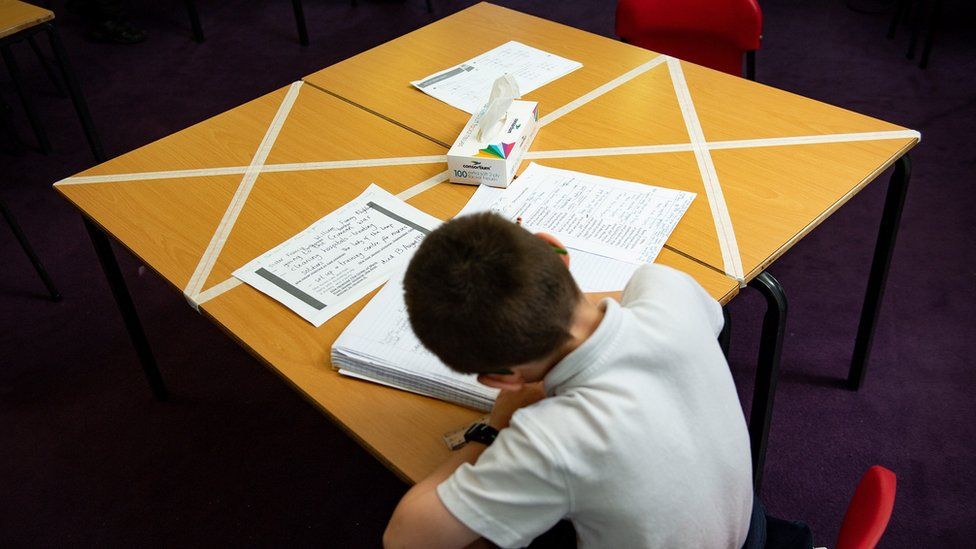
{"x": 611, "y": 227}
{"x": 341, "y": 257}
{"x": 468, "y": 85}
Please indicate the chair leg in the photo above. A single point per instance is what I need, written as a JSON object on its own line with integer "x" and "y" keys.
{"x": 116, "y": 282}
{"x": 767, "y": 370}
{"x": 900, "y": 8}
{"x": 751, "y": 65}
{"x": 35, "y": 122}
{"x": 430, "y": 7}
{"x": 46, "y": 65}
{"x": 933, "y": 24}
{"x": 725, "y": 336}
{"x": 915, "y": 16}
{"x": 300, "y": 21}
{"x": 883, "y": 249}
{"x": 191, "y": 10}
{"x": 41, "y": 272}
{"x": 74, "y": 89}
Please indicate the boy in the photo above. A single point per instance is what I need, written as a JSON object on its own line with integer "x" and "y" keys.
{"x": 622, "y": 417}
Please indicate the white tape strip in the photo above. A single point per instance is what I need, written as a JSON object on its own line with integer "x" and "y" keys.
{"x": 209, "y": 258}
{"x": 364, "y": 163}
{"x": 531, "y": 155}
{"x": 217, "y": 290}
{"x": 713, "y": 190}
{"x": 736, "y": 144}
{"x": 267, "y": 168}
{"x": 423, "y": 186}
{"x": 815, "y": 139}
{"x": 148, "y": 176}
{"x": 608, "y": 151}
{"x": 597, "y": 92}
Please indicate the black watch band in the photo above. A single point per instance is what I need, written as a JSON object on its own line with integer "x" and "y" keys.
{"x": 481, "y": 432}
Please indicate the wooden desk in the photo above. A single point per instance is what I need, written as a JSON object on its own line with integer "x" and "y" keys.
{"x": 168, "y": 222}
{"x": 16, "y": 16}
{"x": 379, "y": 79}
{"x": 768, "y": 165}
{"x": 774, "y": 194}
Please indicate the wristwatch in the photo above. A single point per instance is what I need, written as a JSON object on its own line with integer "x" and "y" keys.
{"x": 481, "y": 432}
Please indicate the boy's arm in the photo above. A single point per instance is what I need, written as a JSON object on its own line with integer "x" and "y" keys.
{"x": 421, "y": 519}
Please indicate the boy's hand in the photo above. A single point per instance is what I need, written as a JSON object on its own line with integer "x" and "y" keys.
{"x": 509, "y": 401}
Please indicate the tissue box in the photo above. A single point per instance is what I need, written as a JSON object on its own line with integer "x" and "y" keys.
{"x": 494, "y": 163}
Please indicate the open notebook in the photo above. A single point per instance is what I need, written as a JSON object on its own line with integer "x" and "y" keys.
{"x": 634, "y": 221}
{"x": 379, "y": 345}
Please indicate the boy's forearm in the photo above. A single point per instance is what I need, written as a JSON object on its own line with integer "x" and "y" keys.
{"x": 469, "y": 453}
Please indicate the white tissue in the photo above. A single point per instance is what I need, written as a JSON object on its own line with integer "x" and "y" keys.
{"x": 503, "y": 92}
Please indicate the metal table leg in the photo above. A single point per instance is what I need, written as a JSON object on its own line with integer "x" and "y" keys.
{"x": 767, "y": 370}
{"x": 81, "y": 107}
{"x": 48, "y": 70}
{"x": 41, "y": 272}
{"x": 191, "y": 10}
{"x": 8, "y": 57}
{"x": 890, "y": 219}
{"x": 300, "y": 21}
{"x": 103, "y": 249}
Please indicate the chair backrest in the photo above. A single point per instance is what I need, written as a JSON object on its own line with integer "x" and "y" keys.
{"x": 870, "y": 508}
{"x": 714, "y": 33}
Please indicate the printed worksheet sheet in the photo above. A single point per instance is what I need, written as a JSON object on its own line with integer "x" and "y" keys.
{"x": 611, "y": 227}
{"x": 467, "y": 86}
{"x": 341, "y": 257}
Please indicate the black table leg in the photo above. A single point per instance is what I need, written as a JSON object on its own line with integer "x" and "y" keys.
{"x": 725, "y": 336}
{"x": 767, "y": 370}
{"x": 300, "y": 21}
{"x": 751, "y": 65}
{"x": 6, "y": 118}
{"x": 191, "y": 10}
{"x": 935, "y": 17}
{"x": 74, "y": 89}
{"x": 48, "y": 70}
{"x": 8, "y": 57}
{"x": 103, "y": 249}
{"x": 41, "y": 272}
{"x": 890, "y": 218}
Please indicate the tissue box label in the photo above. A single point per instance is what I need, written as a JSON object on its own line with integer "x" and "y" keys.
{"x": 495, "y": 162}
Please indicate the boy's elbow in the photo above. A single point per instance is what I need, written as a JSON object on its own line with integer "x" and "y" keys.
{"x": 398, "y": 531}
{"x": 393, "y": 535}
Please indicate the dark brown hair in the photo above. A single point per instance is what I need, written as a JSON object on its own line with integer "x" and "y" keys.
{"x": 484, "y": 294}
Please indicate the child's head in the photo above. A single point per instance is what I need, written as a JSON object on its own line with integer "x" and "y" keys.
{"x": 484, "y": 294}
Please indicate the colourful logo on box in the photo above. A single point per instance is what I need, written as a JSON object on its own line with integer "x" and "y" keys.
{"x": 502, "y": 150}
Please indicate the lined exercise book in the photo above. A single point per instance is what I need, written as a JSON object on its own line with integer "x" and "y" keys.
{"x": 378, "y": 345}
{"x": 611, "y": 227}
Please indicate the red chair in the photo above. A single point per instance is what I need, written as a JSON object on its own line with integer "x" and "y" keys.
{"x": 870, "y": 508}
{"x": 713, "y": 33}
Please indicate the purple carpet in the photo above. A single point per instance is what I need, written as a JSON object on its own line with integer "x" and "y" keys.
{"x": 87, "y": 457}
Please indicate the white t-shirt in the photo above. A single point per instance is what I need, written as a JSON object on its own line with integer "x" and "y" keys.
{"x": 640, "y": 443}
